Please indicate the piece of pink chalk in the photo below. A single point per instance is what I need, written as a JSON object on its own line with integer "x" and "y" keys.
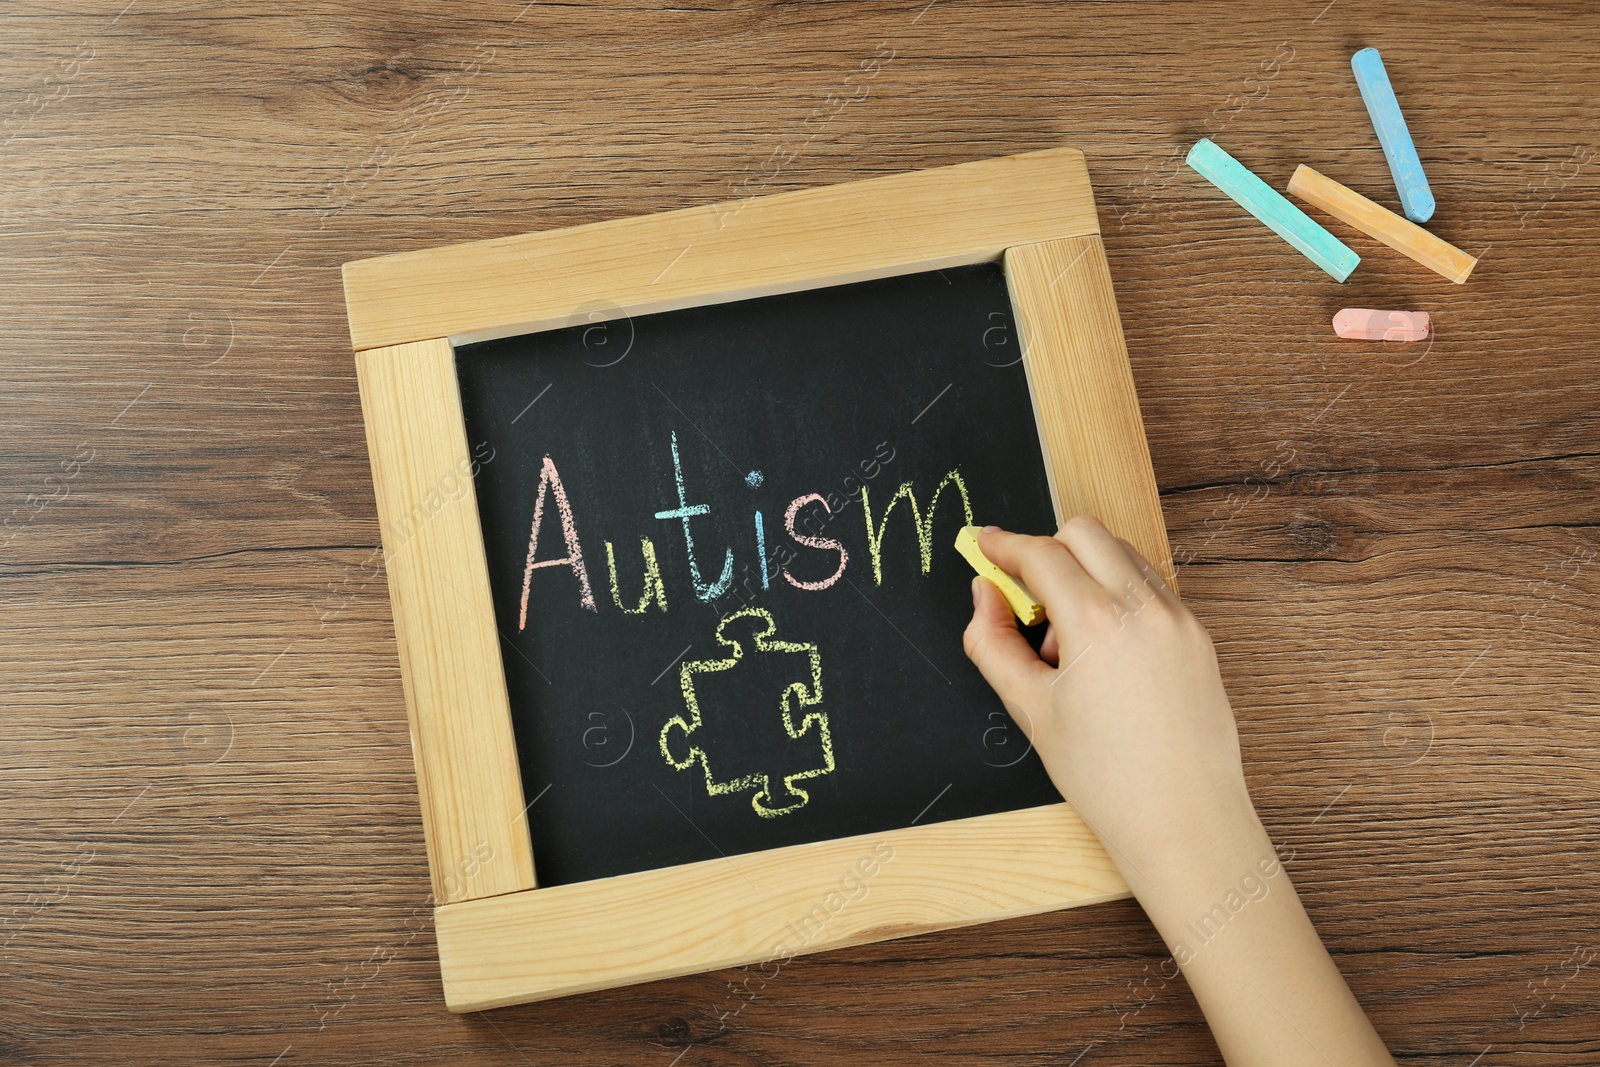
{"x": 1365, "y": 324}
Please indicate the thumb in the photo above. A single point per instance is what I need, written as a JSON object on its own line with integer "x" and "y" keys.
{"x": 1001, "y": 654}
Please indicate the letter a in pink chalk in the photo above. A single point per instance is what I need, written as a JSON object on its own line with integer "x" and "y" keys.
{"x": 550, "y": 478}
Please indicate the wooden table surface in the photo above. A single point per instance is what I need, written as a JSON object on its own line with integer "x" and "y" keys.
{"x": 213, "y": 847}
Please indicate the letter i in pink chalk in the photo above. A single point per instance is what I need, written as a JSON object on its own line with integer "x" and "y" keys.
{"x": 1365, "y": 324}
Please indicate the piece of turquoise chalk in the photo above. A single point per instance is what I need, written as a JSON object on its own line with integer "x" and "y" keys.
{"x": 1268, "y": 205}
{"x": 1416, "y": 199}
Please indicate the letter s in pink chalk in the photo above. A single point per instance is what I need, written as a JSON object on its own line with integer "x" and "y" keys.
{"x": 813, "y": 542}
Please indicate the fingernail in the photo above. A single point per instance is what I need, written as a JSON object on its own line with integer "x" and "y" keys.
{"x": 975, "y": 592}
{"x": 990, "y": 529}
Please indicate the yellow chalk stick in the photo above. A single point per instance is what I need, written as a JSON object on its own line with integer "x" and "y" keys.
{"x": 1375, "y": 220}
{"x": 1029, "y": 610}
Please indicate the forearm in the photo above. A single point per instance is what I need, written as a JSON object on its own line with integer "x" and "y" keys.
{"x": 1273, "y": 996}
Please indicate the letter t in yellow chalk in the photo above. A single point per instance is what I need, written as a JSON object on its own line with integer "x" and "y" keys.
{"x": 1029, "y": 610}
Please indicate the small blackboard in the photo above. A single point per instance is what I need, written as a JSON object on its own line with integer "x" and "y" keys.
{"x": 657, "y": 704}
{"x": 792, "y": 470}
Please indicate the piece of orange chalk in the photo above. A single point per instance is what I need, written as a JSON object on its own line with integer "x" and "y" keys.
{"x": 1375, "y": 220}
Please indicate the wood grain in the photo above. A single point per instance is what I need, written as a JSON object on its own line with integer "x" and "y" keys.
{"x": 1083, "y": 396}
{"x": 735, "y": 250}
{"x": 201, "y": 686}
{"x": 473, "y": 811}
{"x": 764, "y": 909}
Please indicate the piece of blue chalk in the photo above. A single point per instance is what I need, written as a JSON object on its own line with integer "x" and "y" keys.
{"x": 1268, "y": 205}
{"x": 1416, "y": 199}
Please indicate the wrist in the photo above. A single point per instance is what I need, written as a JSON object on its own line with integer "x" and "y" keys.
{"x": 1214, "y": 845}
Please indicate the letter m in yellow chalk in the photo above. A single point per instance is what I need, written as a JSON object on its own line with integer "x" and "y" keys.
{"x": 923, "y": 521}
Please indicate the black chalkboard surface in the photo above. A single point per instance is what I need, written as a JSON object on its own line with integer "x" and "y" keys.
{"x": 767, "y": 492}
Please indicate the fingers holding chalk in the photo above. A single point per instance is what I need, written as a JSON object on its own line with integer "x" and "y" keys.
{"x": 1022, "y": 602}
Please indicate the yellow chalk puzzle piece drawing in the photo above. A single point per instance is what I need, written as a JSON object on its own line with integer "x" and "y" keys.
{"x": 768, "y": 801}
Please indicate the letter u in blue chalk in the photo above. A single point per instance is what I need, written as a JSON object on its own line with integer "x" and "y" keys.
{"x": 1268, "y": 205}
{"x": 1416, "y": 199}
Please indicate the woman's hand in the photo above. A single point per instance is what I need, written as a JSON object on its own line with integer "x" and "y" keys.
{"x": 1124, "y": 703}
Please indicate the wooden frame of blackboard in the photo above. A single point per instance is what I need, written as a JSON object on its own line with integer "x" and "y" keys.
{"x": 503, "y": 939}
